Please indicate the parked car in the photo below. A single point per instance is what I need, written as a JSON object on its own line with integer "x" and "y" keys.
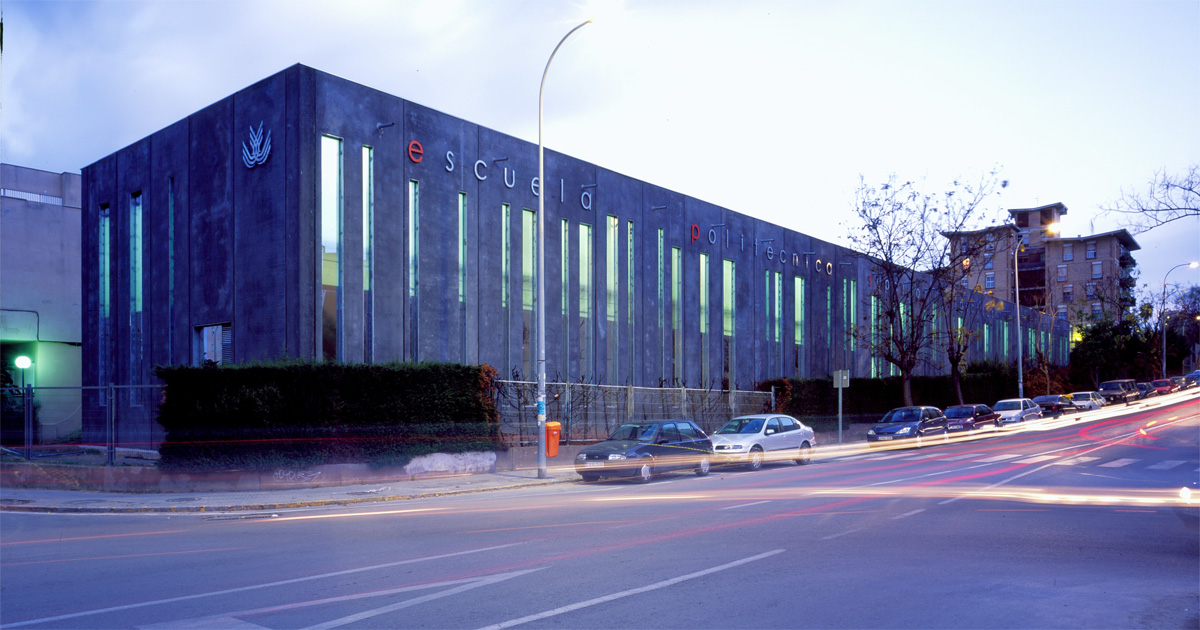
{"x": 642, "y": 449}
{"x": 1119, "y": 391}
{"x": 1164, "y": 386}
{"x": 1017, "y": 410}
{"x": 1087, "y": 400}
{"x": 1179, "y": 384}
{"x": 1146, "y": 390}
{"x": 908, "y": 424}
{"x": 1054, "y": 405}
{"x": 751, "y": 440}
{"x": 1191, "y": 380}
{"x": 970, "y": 417}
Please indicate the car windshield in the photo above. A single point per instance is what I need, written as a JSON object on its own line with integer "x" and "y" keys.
{"x": 904, "y": 414}
{"x": 1046, "y": 399}
{"x": 1161, "y": 383}
{"x": 1104, "y": 386}
{"x": 741, "y": 425}
{"x": 959, "y": 412}
{"x": 1081, "y": 396}
{"x": 642, "y": 432}
{"x": 1007, "y": 405}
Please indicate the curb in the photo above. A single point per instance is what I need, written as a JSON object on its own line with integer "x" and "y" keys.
{"x": 249, "y": 507}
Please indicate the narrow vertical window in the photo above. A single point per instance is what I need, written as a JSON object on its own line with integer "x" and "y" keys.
{"x": 853, "y": 310}
{"x": 586, "y": 371}
{"x": 414, "y": 222}
{"x": 104, "y": 306}
{"x": 729, "y": 324}
{"x": 505, "y": 281}
{"x": 611, "y": 298}
{"x": 528, "y": 290}
{"x": 630, "y": 300}
{"x": 171, "y": 269}
{"x": 676, "y": 316}
{"x": 778, "y": 324}
{"x": 876, "y": 360}
{"x": 987, "y": 341}
{"x": 368, "y": 251}
{"x": 798, "y": 324}
{"x": 331, "y": 248}
{"x": 705, "y": 378}
{"x": 136, "y": 282}
{"x": 662, "y": 324}
{"x": 768, "y": 312}
{"x": 462, "y": 276}
{"x": 565, "y": 284}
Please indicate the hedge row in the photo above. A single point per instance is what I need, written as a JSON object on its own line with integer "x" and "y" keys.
{"x": 303, "y": 414}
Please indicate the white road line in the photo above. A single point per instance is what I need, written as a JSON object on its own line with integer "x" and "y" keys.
{"x": 608, "y": 598}
{"x": 959, "y": 457}
{"x": 997, "y": 458}
{"x": 1166, "y": 464}
{"x": 920, "y": 457}
{"x": 205, "y": 623}
{"x": 734, "y": 507}
{"x": 1117, "y": 463}
{"x": 252, "y": 587}
{"x": 840, "y": 534}
{"x": 1036, "y": 459}
{"x": 1076, "y": 460}
{"x": 906, "y": 514}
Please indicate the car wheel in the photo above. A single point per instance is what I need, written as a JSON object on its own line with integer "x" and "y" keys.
{"x": 589, "y": 477}
{"x": 756, "y": 458}
{"x": 703, "y": 467}
{"x": 805, "y": 454}
{"x": 645, "y": 471}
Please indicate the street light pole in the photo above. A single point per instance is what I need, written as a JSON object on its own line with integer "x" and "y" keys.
{"x": 541, "y": 271}
{"x": 1049, "y": 229}
{"x": 1191, "y": 265}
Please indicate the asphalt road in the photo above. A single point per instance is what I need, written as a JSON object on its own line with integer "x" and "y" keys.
{"x": 1063, "y": 524}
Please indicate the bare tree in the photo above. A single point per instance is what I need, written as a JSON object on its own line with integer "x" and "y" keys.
{"x": 1168, "y": 198}
{"x": 900, "y": 228}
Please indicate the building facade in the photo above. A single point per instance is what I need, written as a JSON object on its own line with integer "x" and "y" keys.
{"x": 39, "y": 291}
{"x": 310, "y": 217}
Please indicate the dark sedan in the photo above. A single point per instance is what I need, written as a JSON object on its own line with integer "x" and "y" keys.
{"x": 970, "y": 417}
{"x": 642, "y": 449}
{"x": 1055, "y": 405}
{"x": 913, "y": 425}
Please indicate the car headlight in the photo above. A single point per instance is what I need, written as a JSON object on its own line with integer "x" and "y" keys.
{"x": 581, "y": 456}
{"x": 871, "y": 431}
{"x": 904, "y": 431}
{"x": 612, "y": 456}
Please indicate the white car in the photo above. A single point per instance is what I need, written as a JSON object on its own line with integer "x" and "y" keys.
{"x": 752, "y": 440}
{"x": 1017, "y": 410}
{"x": 1087, "y": 401}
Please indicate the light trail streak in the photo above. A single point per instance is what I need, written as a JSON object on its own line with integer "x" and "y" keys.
{"x": 121, "y": 557}
{"x": 513, "y": 529}
{"x": 96, "y": 537}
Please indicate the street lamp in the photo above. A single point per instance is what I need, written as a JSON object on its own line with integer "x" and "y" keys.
{"x": 540, "y": 339}
{"x": 1191, "y": 265}
{"x": 23, "y": 362}
{"x": 1049, "y": 229}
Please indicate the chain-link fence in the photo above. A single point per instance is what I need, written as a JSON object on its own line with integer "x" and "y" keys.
{"x": 54, "y": 422}
{"x": 591, "y": 412}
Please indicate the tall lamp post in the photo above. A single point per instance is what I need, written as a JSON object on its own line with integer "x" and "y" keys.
{"x": 1191, "y": 265}
{"x": 541, "y": 271}
{"x": 1049, "y": 229}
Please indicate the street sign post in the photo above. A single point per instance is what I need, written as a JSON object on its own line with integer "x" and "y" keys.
{"x": 841, "y": 380}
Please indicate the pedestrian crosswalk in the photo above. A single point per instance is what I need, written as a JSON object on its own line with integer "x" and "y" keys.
{"x": 1024, "y": 458}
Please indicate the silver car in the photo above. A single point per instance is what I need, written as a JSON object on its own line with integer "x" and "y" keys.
{"x": 1017, "y": 410}
{"x": 1087, "y": 400}
{"x": 752, "y": 440}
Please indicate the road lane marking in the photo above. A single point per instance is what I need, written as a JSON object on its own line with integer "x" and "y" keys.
{"x": 906, "y": 514}
{"x": 634, "y": 591}
{"x": 958, "y": 457}
{"x": 1076, "y": 460}
{"x": 840, "y": 534}
{"x": 1117, "y": 463}
{"x": 1036, "y": 459}
{"x": 1166, "y": 464}
{"x": 734, "y": 507}
{"x": 205, "y": 623}
{"x": 253, "y": 587}
{"x": 997, "y": 458}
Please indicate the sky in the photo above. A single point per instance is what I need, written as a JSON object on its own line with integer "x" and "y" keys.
{"x": 774, "y": 109}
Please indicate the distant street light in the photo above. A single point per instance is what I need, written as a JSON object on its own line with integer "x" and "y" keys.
{"x": 1191, "y": 265}
{"x": 541, "y": 271}
{"x": 1049, "y": 229}
{"x": 23, "y": 362}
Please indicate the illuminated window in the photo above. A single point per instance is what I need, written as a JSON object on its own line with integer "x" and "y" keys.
{"x": 137, "y": 373}
{"x": 586, "y": 371}
{"x": 104, "y": 269}
{"x": 331, "y": 248}
{"x": 798, "y": 324}
{"x": 703, "y": 291}
{"x": 612, "y": 298}
{"x": 414, "y": 215}
{"x": 729, "y": 323}
{"x": 564, "y": 301}
{"x": 368, "y": 250}
{"x": 528, "y": 290}
{"x": 677, "y": 315}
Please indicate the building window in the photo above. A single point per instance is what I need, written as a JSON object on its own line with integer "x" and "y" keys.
{"x": 528, "y": 290}
{"x": 564, "y": 300}
{"x": 965, "y": 282}
{"x": 1068, "y": 293}
{"x": 676, "y": 316}
{"x": 798, "y": 324}
{"x": 213, "y": 343}
{"x": 988, "y": 262}
{"x": 1062, "y": 312}
{"x": 586, "y": 373}
{"x": 612, "y": 298}
{"x": 506, "y": 280}
{"x": 1068, "y": 251}
{"x": 1062, "y": 273}
{"x": 462, "y": 276}
{"x": 1091, "y": 290}
{"x": 630, "y": 300}
{"x": 728, "y": 324}
{"x": 331, "y": 248}
{"x": 137, "y": 374}
{"x": 876, "y": 360}
{"x": 104, "y": 249}
{"x": 704, "y": 363}
{"x": 1097, "y": 269}
{"x": 1096, "y": 310}
{"x": 368, "y": 251}
{"x": 989, "y": 280}
{"x": 987, "y": 341}
{"x": 1091, "y": 250}
{"x": 414, "y": 216}
{"x": 662, "y": 310}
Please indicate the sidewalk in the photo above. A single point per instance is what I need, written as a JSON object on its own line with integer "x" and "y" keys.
{"x": 80, "y": 502}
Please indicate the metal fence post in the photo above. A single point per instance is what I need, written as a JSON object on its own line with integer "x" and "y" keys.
{"x": 111, "y": 432}
{"x": 27, "y": 394}
{"x": 683, "y": 402}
